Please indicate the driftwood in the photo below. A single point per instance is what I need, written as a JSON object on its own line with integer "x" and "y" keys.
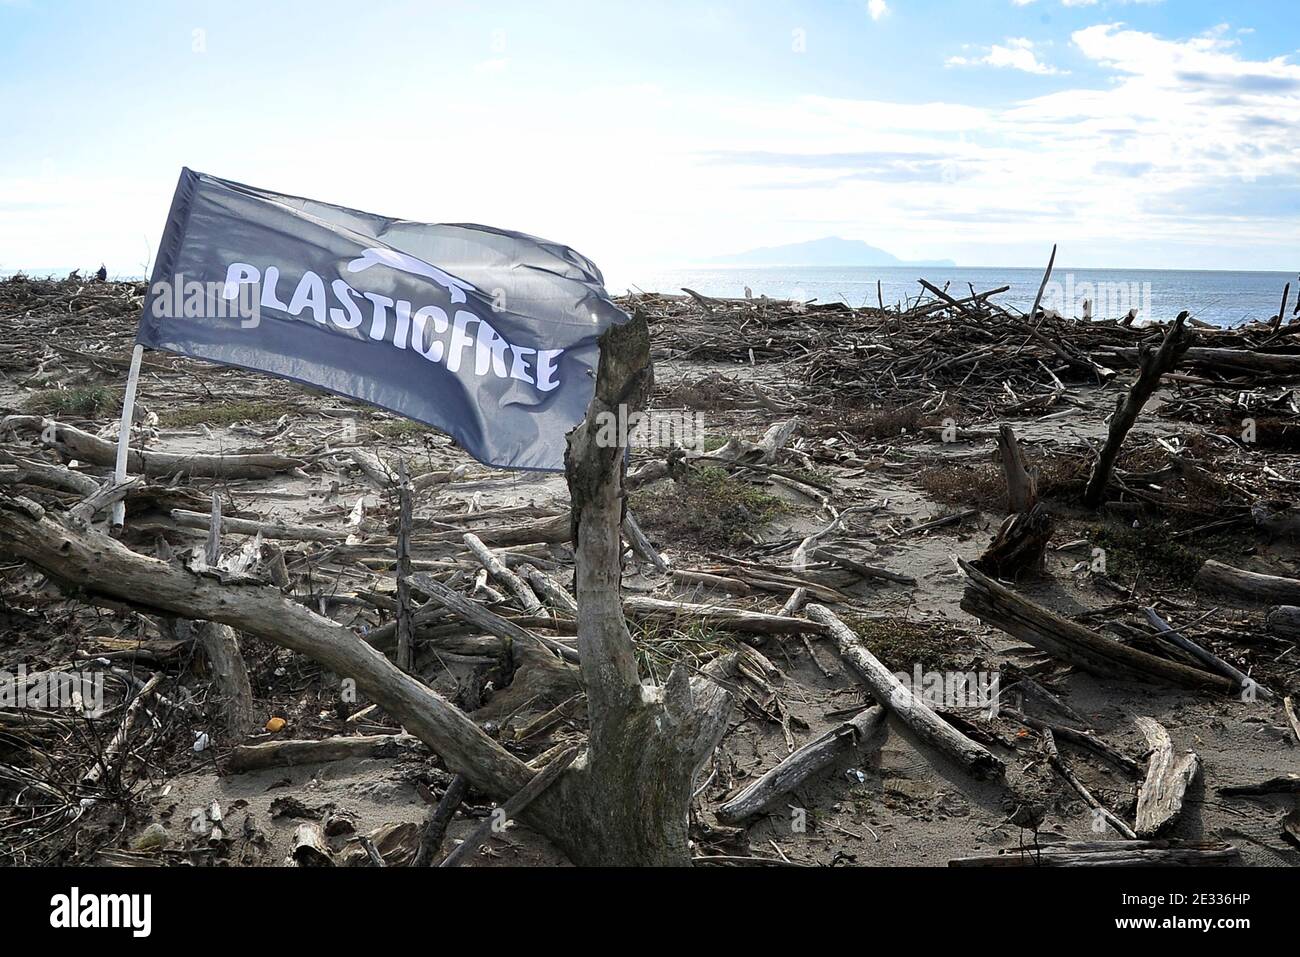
{"x": 1021, "y": 539}
{"x": 641, "y": 544}
{"x": 1230, "y": 362}
{"x": 243, "y": 526}
{"x": 117, "y": 744}
{"x": 552, "y": 592}
{"x": 405, "y": 613}
{"x": 1160, "y": 798}
{"x": 95, "y": 563}
{"x": 1221, "y": 579}
{"x": 484, "y": 618}
{"x": 1154, "y": 364}
{"x": 874, "y": 572}
{"x": 627, "y": 800}
{"x": 514, "y": 806}
{"x": 1018, "y": 545}
{"x": 1022, "y": 485}
{"x": 310, "y": 848}
{"x": 912, "y": 711}
{"x": 999, "y": 606}
{"x": 220, "y": 644}
{"x": 1081, "y": 739}
{"x": 1055, "y": 760}
{"x": 1108, "y": 854}
{"x": 84, "y": 447}
{"x": 720, "y": 616}
{"x": 435, "y": 825}
{"x": 1208, "y": 658}
{"x": 107, "y": 495}
{"x": 801, "y": 765}
{"x": 275, "y": 754}
{"x": 732, "y": 586}
{"x": 26, "y": 472}
{"x": 1288, "y": 706}
{"x": 496, "y": 568}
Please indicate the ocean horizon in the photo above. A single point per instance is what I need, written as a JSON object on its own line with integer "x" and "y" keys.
{"x": 1220, "y": 297}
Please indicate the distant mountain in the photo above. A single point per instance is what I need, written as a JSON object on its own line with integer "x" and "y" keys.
{"x": 831, "y": 251}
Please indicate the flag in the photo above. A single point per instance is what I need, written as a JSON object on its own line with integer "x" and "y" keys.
{"x": 485, "y": 334}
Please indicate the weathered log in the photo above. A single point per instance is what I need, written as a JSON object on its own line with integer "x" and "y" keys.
{"x": 1019, "y": 544}
{"x": 76, "y": 444}
{"x": 1154, "y": 364}
{"x": 641, "y": 544}
{"x": 107, "y": 495}
{"x": 997, "y": 605}
{"x": 275, "y": 754}
{"x": 513, "y": 807}
{"x": 497, "y": 569}
{"x": 219, "y": 642}
{"x": 429, "y": 479}
{"x": 1160, "y": 798}
{"x": 813, "y": 757}
{"x": 484, "y": 618}
{"x": 1212, "y": 661}
{"x": 874, "y": 572}
{"x": 552, "y": 592}
{"x": 60, "y": 477}
{"x": 1108, "y": 854}
{"x": 435, "y": 825}
{"x": 1288, "y": 707}
{"x": 554, "y": 530}
{"x": 1230, "y": 362}
{"x": 733, "y": 586}
{"x": 912, "y": 711}
{"x": 244, "y": 526}
{"x": 377, "y": 473}
{"x": 1220, "y": 579}
{"x": 234, "y": 691}
{"x": 310, "y": 848}
{"x": 719, "y": 616}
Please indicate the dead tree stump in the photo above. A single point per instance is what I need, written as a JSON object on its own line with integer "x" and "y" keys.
{"x": 626, "y": 800}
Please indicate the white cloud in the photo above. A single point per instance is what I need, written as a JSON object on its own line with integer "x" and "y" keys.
{"x": 1017, "y": 53}
{"x": 877, "y": 9}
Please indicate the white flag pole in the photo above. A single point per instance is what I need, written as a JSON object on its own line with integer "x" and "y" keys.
{"x": 124, "y": 431}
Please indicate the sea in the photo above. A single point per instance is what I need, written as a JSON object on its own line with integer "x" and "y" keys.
{"x": 1220, "y": 298}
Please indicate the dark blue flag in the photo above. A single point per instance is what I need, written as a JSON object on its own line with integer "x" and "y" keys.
{"x": 488, "y": 335}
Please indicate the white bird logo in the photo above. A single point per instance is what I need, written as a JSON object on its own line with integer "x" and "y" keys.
{"x": 416, "y": 267}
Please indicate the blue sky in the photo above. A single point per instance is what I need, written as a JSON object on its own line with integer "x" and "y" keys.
{"x": 1144, "y": 134}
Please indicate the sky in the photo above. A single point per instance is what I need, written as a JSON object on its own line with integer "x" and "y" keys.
{"x": 660, "y": 134}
